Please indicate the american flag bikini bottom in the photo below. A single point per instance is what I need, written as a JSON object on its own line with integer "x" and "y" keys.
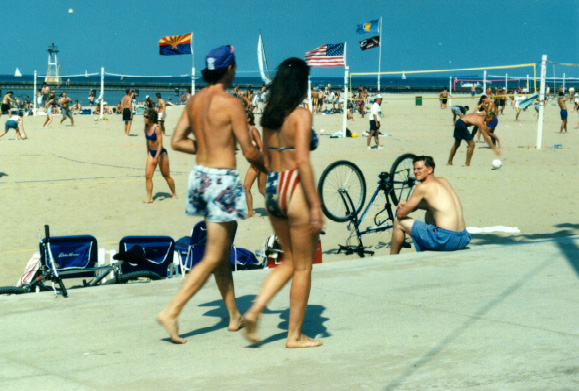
{"x": 279, "y": 189}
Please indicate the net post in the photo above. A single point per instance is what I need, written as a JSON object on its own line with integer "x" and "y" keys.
{"x": 345, "y": 107}
{"x": 34, "y": 95}
{"x": 310, "y": 94}
{"x": 102, "y": 95}
{"x": 484, "y": 82}
{"x": 541, "y": 101}
{"x": 563, "y": 81}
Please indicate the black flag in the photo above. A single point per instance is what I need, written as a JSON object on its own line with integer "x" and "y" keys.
{"x": 370, "y": 43}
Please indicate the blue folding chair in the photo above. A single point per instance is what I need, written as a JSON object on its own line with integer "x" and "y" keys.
{"x": 158, "y": 253}
{"x": 74, "y": 257}
{"x": 197, "y": 247}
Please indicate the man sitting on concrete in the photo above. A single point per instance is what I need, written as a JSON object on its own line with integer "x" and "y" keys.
{"x": 444, "y": 210}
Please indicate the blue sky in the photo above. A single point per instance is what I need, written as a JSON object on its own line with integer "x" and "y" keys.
{"x": 123, "y": 37}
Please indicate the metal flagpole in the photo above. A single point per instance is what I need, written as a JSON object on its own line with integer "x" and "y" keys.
{"x": 345, "y": 108}
{"x": 192, "y": 67}
{"x": 379, "y": 53}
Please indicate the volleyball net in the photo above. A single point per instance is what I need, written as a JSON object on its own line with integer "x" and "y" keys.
{"x": 515, "y": 78}
{"x": 564, "y": 75}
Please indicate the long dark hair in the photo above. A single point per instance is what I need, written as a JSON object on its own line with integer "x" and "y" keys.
{"x": 286, "y": 92}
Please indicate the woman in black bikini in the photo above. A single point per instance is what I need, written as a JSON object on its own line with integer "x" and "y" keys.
{"x": 156, "y": 154}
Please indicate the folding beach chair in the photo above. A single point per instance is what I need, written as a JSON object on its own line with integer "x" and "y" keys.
{"x": 74, "y": 257}
{"x": 158, "y": 253}
{"x": 197, "y": 248}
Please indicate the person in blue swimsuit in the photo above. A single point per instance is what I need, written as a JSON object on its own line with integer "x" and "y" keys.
{"x": 292, "y": 202}
{"x": 156, "y": 155}
{"x": 444, "y": 229}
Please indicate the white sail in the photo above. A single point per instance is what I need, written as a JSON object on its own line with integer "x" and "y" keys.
{"x": 17, "y": 73}
{"x": 262, "y": 61}
{"x": 403, "y": 76}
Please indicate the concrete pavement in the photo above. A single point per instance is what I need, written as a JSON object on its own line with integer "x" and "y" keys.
{"x": 493, "y": 317}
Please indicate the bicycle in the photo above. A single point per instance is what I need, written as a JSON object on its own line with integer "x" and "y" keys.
{"x": 48, "y": 272}
{"x": 342, "y": 190}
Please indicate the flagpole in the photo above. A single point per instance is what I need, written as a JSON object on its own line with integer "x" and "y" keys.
{"x": 192, "y": 67}
{"x": 345, "y": 108}
{"x": 379, "y": 54}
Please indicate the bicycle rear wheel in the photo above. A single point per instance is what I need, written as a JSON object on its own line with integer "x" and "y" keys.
{"x": 337, "y": 179}
{"x": 402, "y": 178}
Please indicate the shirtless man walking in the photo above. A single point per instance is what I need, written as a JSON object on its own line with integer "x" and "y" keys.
{"x": 162, "y": 112}
{"x": 436, "y": 195}
{"x": 65, "y": 102}
{"x": 561, "y": 102}
{"x": 217, "y": 122}
{"x": 127, "y": 107}
{"x": 461, "y": 133}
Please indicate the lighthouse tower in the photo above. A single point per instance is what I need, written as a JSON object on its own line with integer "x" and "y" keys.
{"x": 53, "y": 72}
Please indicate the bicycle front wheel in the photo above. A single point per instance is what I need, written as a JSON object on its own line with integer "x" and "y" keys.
{"x": 339, "y": 178}
{"x": 402, "y": 178}
{"x": 12, "y": 290}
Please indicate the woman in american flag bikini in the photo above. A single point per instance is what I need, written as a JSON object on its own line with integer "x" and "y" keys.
{"x": 292, "y": 202}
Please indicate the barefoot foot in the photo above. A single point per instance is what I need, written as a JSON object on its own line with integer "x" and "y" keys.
{"x": 303, "y": 341}
{"x": 236, "y": 325}
{"x": 251, "y": 331}
{"x": 147, "y": 201}
{"x": 171, "y": 326}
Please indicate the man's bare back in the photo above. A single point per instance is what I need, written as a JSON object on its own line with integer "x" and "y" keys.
{"x": 217, "y": 120}
{"x": 127, "y": 102}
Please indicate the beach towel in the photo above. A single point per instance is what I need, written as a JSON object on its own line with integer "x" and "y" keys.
{"x": 528, "y": 101}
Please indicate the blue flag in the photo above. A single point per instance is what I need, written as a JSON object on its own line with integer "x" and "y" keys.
{"x": 371, "y": 27}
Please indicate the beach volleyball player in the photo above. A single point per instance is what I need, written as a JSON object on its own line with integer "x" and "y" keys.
{"x": 480, "y": 121}
{"x": 156, "y": 155}
{"x": 217, "y": 121}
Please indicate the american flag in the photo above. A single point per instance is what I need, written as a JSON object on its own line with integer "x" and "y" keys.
{"x": 329, "y": 55}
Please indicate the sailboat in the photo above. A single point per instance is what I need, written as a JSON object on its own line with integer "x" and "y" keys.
{"x": 403, "y": 76}
{"x": 17, "y": 73}
{"x": 262, "y": 60}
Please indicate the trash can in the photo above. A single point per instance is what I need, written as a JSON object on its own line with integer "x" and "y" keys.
{"x": 418, "y": 101}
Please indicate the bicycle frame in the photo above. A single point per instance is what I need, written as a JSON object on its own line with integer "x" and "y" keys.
{"x": 385, "y": 184}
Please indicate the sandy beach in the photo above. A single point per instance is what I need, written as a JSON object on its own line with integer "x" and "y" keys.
{"x": 89, "y": 179}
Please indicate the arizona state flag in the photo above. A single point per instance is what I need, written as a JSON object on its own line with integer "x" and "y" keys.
{"x": 370, "y": 43}
{"x": 175, "y": 44}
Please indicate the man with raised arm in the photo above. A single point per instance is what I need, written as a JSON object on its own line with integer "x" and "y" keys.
{"x": 217, "y": 121}
{"x": 461, "y": 132}
{"x": 65, "y": 102}
{"x": 127, "y": 107}
{"x": 444, "y": 229}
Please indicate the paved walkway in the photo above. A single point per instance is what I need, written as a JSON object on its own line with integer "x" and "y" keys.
{"x": 495, "y": 317}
